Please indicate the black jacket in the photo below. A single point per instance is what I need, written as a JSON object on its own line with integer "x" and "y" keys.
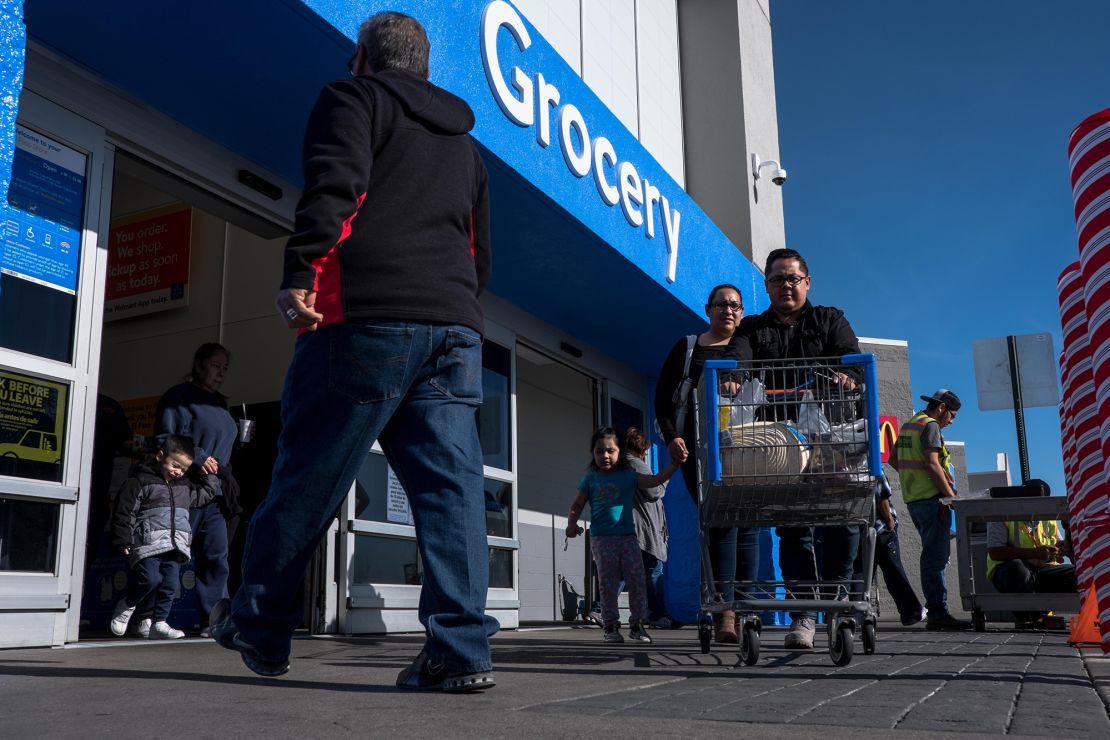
{"x": 670, "y": 376}
{"x": 820, "y": 331}
{"x": 394, "y": 220}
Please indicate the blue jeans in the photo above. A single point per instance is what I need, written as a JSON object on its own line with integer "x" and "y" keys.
{"x": 156, "y": 582}
{"x": 734, "y": 556}
{"x": 653, "y": 581}
{"x": 416, "y": 389}
{"x": 934, "y": 523}
{"x": 798, "y": 562}
{"x": 209, "y": 551}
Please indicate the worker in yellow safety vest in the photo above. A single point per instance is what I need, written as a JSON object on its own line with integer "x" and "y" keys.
{"x": 923, "y": 466}
{"x": 1027, "y": 557}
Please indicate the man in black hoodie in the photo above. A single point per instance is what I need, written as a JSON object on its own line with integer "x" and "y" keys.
{"x": 382, "y": 277}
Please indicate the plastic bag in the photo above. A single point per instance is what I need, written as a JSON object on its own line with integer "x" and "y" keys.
{"x": 752, "y": 396}
{"x": 741, "y": 409}
{"x": 843, "y": 450}
{"x": 811, "y": 419}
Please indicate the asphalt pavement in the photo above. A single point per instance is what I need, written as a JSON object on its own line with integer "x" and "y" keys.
{"x": 560, "y": 681}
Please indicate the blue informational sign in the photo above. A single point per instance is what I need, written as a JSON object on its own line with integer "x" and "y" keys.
{"x": 40, "y": 225}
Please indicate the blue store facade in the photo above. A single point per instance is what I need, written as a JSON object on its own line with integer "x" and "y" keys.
{"x": 159, "y": 143}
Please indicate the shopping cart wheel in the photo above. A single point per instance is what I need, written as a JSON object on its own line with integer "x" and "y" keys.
{"x": 705, "y": 634}
{"x": 840, "y": 648}
{"x": 868, "y": 638}
{"x": 749, "y": 645}
{"x": 979, "y": 620}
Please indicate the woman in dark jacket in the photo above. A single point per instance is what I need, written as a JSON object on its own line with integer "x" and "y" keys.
{"x": 197, "y": 409}
{"x": 724, "y": 310}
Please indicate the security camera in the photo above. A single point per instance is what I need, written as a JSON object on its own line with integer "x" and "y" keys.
{"x": 778, "y": 174}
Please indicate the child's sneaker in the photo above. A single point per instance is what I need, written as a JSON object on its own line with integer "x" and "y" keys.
{"x": 637, "y": 633}
{"x": 121, "y": 615}
{"x": 613, "y": 634}
{"x": 163, "y": 631}
{"x": 142, "y": 629}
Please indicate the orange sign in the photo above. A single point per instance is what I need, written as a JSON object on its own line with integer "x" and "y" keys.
{"x": 148, "y": 262}
{"x": 140, "y": 414}
{"x": 888, "y": 432}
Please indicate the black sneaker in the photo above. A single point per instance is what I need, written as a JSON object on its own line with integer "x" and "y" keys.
{"x": 637, "y": 633}
{"x": 257, "y": 662}
{"x": 909, "y": 620}
{"x": 422, "y": 675}
{"x": 224, "y": 632}
{"x": 947, "y": 622}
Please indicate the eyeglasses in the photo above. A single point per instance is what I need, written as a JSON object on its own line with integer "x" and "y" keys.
{"x": 732, "y": 306}
{"x": 792, "y": 280}
{"x": 351, "y": 62}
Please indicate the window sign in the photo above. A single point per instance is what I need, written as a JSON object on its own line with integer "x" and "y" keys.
{"x": 397, "y": 508}
{"x": 40, "y": 228}
{"x": 32, "y": 427}
{"x": 148, "y": 262}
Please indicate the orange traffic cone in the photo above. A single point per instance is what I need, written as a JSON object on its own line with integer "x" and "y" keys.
{"x": 1084, "y": 627}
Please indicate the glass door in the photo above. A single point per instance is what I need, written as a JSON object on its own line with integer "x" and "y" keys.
{"x": 52, "y": 272}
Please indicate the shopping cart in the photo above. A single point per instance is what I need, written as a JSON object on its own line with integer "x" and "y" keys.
{"x": 789, "y": 443}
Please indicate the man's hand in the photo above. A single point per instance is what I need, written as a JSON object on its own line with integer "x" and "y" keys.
{"x": 573, "y": 530}
{"x": 677, "y": 449}
{"x": 847, "y": 381}
{"x": 1046, "y": 554}
{"x": 297, "y": 308}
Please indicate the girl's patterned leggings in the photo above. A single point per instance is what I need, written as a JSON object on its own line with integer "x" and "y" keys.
{"x": 618, "y": 558}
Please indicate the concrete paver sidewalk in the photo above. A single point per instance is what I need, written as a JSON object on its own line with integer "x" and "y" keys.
{"x": 559, "y": 682}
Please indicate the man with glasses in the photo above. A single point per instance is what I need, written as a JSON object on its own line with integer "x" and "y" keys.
{"x": 924, "y": 469}
{"x": 794, "y": 329}
{"x": 390, "y": 251}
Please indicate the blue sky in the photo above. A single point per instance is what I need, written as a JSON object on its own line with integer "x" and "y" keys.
{"x": 928, "y": 190}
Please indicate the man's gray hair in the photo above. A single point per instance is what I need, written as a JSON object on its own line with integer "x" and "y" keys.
{"x": 395, "y": 41}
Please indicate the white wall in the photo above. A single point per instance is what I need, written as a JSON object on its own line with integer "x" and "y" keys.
{"x": 560, "y": 22}
{"x": 660, "y": 84}
{"x": 729, "y": 113}
{"x": 761, "y": 129}
{"x": 609, "y": 57}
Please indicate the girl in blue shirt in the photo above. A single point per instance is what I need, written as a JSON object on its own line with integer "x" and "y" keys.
{"x": 609, "y": 486}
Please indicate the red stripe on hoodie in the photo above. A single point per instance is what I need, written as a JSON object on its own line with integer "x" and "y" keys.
{"x": 472, "y": 233}
{"x": 329, "y": 275}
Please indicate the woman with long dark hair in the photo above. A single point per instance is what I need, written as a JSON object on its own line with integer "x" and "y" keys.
{"x": 675, "y": 412}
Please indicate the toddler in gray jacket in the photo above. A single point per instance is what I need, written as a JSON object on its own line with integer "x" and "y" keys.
{"x": 151, "y": 527}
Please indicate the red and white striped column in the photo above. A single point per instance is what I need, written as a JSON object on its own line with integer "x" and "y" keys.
{"x": 1082, "y": 444}
{"x": 1089, "y": 160}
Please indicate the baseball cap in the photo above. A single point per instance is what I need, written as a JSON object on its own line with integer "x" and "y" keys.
{"x": 945, "y": 396}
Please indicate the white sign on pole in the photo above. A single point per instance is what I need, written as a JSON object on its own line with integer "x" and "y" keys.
{"x": 1036, "y": 363}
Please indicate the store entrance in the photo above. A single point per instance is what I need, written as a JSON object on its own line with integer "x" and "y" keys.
{"x": 185, "y": 268}
{"x": 557, "y": 411}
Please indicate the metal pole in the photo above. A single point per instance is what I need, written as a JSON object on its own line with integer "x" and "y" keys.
{"x": 1019, "y": 411}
